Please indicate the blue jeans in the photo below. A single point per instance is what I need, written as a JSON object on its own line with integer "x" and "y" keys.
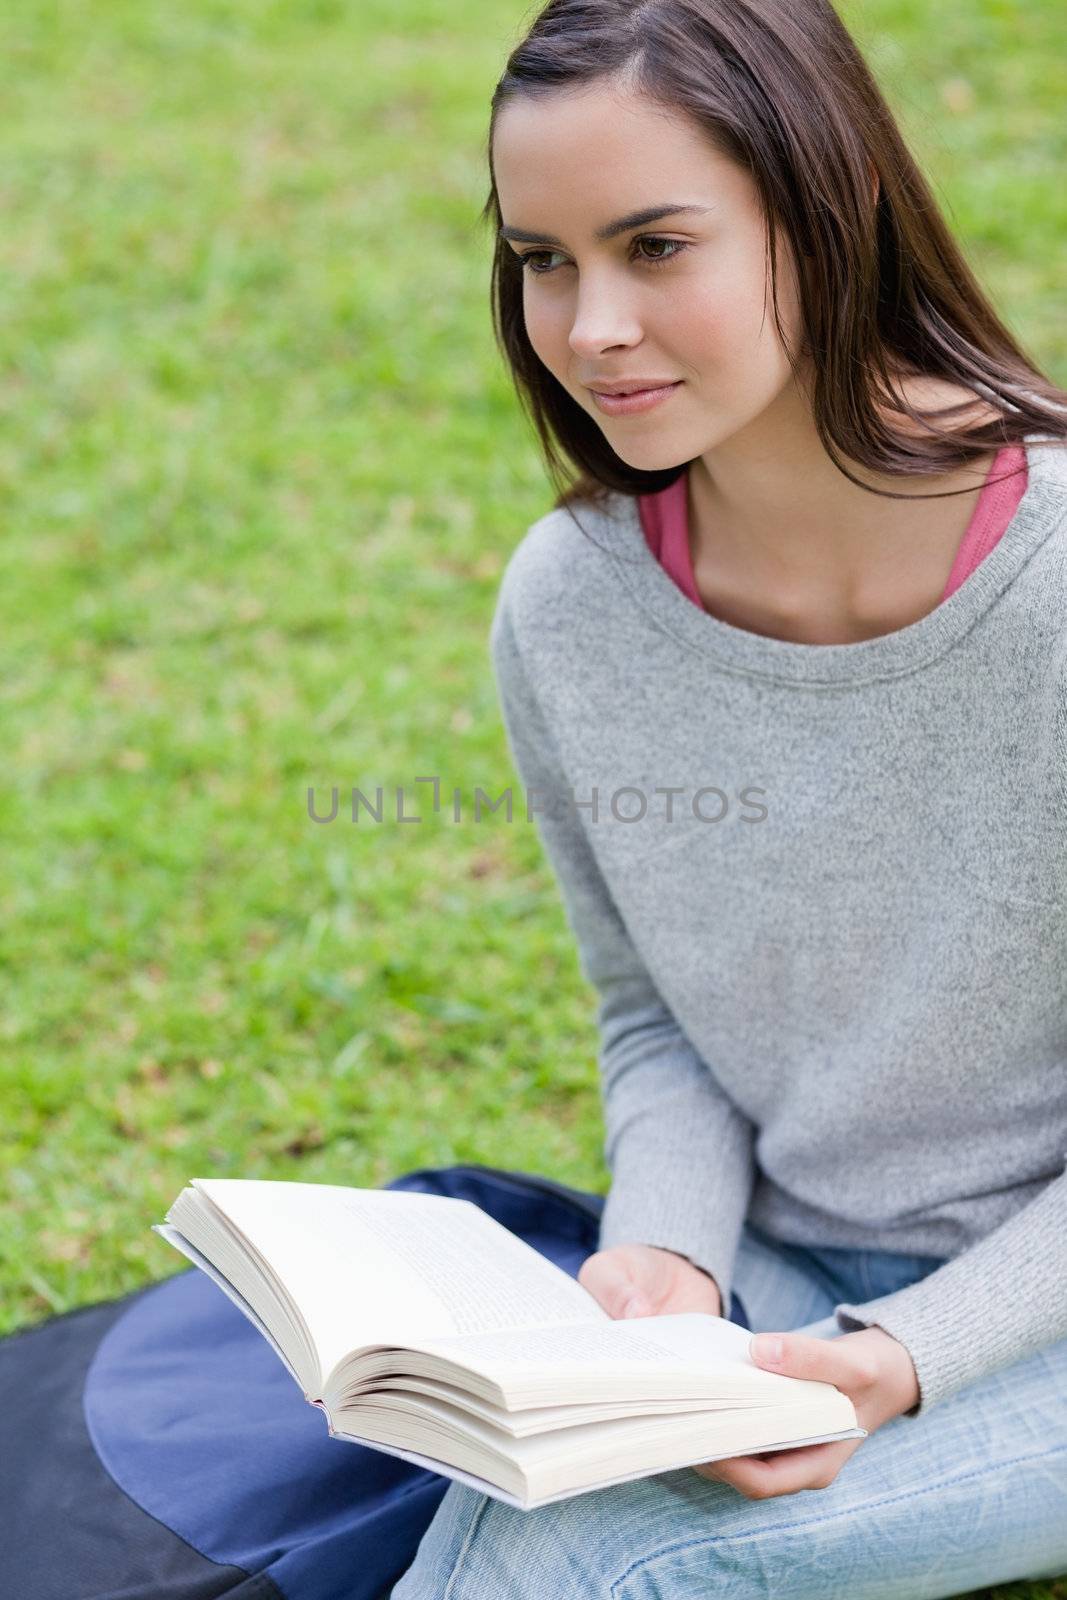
{"x": 970, "y": 1495}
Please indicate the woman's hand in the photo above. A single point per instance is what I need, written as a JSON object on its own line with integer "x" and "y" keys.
{"x": 641, "y": 1280}
{"x": 870, "y": 1366}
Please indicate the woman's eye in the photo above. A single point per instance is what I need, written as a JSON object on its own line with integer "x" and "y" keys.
{"x": 675, "y": 248}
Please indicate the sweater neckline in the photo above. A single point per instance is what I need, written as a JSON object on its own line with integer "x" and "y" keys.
{"x": 1041, "y": 509}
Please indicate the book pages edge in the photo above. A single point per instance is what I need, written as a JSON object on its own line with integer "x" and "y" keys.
{"x": 495, "y": 1492}
{"x": 167, "y": 1231}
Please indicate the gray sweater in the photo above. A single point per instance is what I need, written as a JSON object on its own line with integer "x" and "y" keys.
{"x": 821, "y": 894}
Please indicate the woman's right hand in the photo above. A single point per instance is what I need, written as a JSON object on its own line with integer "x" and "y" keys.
{"x": 641, "y": 1280}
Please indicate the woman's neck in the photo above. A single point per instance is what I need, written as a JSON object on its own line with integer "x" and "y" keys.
{"x": 783, "y": 544}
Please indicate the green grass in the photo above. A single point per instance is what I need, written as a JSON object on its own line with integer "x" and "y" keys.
{"x": 260, "y": 468}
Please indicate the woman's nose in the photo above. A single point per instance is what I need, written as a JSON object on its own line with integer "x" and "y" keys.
{"x": 604, "y": 318}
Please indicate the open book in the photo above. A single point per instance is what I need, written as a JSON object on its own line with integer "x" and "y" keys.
{"x": 424, "y": 1328}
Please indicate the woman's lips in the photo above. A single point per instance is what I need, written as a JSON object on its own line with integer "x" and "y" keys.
{"x": 624, "y": 405}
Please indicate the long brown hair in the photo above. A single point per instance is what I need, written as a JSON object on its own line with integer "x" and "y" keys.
{"x": 780, "y": 87}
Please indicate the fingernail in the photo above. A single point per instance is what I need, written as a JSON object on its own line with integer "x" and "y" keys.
{"x": 765, "y": 1347}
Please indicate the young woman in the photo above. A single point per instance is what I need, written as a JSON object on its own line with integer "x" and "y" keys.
{"x": 784, "y": 673}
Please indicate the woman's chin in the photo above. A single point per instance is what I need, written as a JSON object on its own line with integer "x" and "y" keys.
{"x": 662, "y": 458}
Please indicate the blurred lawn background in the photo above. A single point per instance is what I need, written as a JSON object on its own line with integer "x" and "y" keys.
{"x": 260, "y": 470}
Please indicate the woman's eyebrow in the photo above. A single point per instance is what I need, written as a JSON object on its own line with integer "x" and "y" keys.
{"x": 634, "y": 219}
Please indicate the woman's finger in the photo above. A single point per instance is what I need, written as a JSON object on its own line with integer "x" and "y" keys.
{"x": 784, "y": 1472}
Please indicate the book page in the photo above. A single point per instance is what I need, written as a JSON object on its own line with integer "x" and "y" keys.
{"x": 531, "y": 1419}
{"x": 487, "y": 1282}
{"x": 687, "y": 1355}
{"x": 373, "y": 1266}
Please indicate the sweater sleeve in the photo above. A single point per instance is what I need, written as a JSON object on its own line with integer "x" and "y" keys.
{"x": 679, "y": 1151}
{"x": 994, "y": 1303}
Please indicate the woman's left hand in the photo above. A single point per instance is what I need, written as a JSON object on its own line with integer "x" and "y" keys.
{"x": 870, "y": 1366}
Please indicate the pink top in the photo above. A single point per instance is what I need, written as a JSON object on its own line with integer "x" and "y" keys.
{"x": 665, "y": 520}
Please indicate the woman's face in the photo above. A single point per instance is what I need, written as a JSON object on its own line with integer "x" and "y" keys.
{"x": 685, "y": 298}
